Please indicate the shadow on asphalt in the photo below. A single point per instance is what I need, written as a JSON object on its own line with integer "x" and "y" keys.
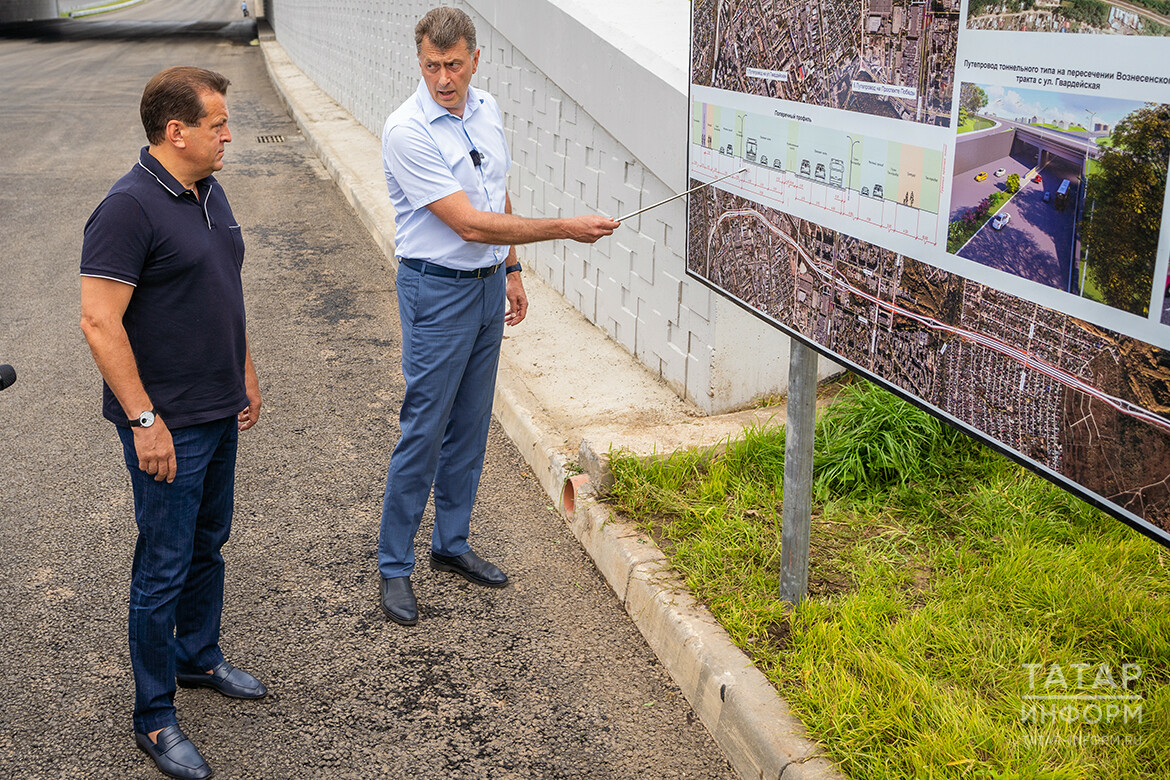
{"x": 240, "y": 31}
{"x": 1020, "y": 255}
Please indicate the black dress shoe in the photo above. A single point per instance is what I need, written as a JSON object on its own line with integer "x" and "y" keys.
{"x": 398, "y": 601}
{"x": 174, "y": 754}
{"x": 470, "y": 566}
{"x": 226, "y": 679}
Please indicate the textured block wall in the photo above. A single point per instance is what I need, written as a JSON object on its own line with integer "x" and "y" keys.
{"x": 633, "y": 285}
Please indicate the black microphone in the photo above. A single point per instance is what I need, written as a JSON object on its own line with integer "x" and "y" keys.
{"x": 7, "y": 376}
{"x": 476, "y": 157}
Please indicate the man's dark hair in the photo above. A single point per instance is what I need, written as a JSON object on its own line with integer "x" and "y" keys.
{"x": 177, "y": 93}
{"x": 445, "y": 28}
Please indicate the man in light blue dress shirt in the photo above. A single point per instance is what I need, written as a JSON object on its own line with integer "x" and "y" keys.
{"x": 446, "y": 162}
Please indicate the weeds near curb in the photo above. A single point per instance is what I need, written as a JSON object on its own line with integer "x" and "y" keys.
{"x": 949, "y": 588}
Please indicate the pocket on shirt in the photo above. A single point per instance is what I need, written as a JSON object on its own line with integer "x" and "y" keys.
{"x": 237, "y": 243}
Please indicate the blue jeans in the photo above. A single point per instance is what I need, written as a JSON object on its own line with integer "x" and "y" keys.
{"x": 176, "y": 588}
{"x": 451, "y": 333}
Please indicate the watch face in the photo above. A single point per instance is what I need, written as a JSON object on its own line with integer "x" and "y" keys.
{"x": 146, "y": 419}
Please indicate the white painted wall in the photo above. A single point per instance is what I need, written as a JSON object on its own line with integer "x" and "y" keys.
{"x": 594, "y": 95}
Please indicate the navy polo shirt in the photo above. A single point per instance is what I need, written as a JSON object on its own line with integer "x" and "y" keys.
{"x": 185, "y": 319}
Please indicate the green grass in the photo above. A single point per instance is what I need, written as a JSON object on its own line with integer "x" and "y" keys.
{"x": 939, "y": 569}
{"x": 1089, "y": 287}
{"x": 974, "y": 123}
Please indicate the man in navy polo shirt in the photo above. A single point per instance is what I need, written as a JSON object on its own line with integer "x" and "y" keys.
{"x": 162, "y": 308}
{"x": 446, "y": 160}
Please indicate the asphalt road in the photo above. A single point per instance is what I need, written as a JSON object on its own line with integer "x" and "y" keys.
{"x": 546, "y": 678}
{"x": 1035, "y": 244}
{"x": 180, "y": 10}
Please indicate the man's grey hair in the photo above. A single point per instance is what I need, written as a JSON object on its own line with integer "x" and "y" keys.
{"x": 445, "y": 28}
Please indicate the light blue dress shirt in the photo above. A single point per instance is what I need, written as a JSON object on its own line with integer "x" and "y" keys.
{"x": 426, "y": 155}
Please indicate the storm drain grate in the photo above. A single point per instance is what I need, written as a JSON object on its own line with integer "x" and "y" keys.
{"x": 270, "y": 139}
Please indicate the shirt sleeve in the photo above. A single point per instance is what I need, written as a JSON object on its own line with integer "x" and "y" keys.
{"x": 413, "y": 162}
{"x": 117, "y": 240}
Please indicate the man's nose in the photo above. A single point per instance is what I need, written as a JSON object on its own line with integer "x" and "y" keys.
{"x": 227, "y": 135}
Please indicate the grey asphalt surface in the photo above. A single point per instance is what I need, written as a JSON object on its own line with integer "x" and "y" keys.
{"x": 546, "y": 678}
{"x": 1035, "y": 245}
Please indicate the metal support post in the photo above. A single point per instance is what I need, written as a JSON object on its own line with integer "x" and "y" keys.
{"x": 798, "y": 469}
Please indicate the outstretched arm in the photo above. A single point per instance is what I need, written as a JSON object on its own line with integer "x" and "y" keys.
{"x": 488, "y": 227}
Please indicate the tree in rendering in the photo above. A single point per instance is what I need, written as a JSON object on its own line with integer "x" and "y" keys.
{"x": 1124, "y": 208}
{"x": 971, "y": 99}
{"x": 1013, "y": 183}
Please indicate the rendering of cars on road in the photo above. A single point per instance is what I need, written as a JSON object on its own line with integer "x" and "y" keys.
{"x": 1000, "y": 171}
{"x": 1038, "y": 179}
{"x": 981, "y": 176}
{"x": 878, "y": 192}
{"x": 865, "y": 191}
{"x": 1047, "y": 196}
{"x": 1000, "y": 219}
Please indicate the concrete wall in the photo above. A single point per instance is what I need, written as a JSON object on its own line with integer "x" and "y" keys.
{"x": 595, "y": 106}
{"x": 27, "y": 10}
{"x": 976, "y": 151}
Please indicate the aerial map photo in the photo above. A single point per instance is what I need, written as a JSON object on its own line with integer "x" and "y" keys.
{"x": 1131, "y": 17}
{"x": 893, "y": 58}
{"x": 1086, "y": 403}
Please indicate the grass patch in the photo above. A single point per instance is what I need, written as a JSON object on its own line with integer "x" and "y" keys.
{"x": 939, "y": 572}
{"x": 973, "y": 123}
{"x": 1089, "y": 288}
{"x": 964, "y": 228}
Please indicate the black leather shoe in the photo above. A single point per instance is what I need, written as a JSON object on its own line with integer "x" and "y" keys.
{"x": 398, "y": 601}
{"x": 226, "y": 679}
{"x": 174, "y": 754}
{"x": 472, "y": 567}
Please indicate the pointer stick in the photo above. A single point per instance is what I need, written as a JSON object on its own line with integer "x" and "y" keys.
{"x": 688, "y": 192}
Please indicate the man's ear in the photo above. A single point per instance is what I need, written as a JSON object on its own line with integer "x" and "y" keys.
{"x": 176, "y": 133}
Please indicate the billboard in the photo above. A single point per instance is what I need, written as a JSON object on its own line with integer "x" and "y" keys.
{"x": 964, "y": 201}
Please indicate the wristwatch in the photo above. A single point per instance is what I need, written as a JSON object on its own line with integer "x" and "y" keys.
{"x": 143, "y": 420}
{"x": 509, "y": 269}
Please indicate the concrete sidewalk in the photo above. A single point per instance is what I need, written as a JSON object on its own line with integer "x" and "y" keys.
{"x": 566, "y": 395}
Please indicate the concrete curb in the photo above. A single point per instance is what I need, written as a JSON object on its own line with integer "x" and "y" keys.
{"x": 761, "y": 738}
{"x": 83, "y": 12}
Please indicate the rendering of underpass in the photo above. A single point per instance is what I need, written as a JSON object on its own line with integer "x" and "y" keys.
{"x": 1029, "y": 233}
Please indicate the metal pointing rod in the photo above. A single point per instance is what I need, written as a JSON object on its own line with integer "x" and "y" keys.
{"x": 688, "y": 192}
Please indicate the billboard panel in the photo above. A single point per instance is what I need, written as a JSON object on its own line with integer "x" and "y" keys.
{"x": 965, "y": 202}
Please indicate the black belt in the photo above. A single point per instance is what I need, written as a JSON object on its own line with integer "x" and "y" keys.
{"x": 423, "y": 267}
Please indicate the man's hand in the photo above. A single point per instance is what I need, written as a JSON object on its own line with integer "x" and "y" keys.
{"x": 248, "y": 417}
{"x": 517, "y": 300}
{"x": 156, "y": 451}
{"x": 590, "y": 227}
